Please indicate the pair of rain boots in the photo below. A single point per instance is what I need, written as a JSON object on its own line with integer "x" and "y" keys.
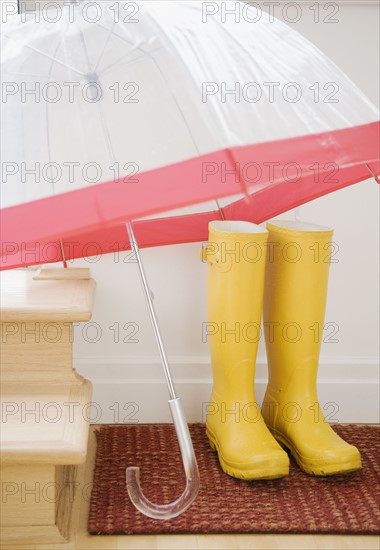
{"x": 283, "y": 272}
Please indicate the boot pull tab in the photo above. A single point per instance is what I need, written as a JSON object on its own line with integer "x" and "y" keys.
{"x": 209, "y": 253}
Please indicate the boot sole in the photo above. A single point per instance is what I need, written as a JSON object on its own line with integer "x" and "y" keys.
{"x": 314, "y": 469}
{"x": 255, "y": 474}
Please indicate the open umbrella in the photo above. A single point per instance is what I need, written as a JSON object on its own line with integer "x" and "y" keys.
{"x": 114, "y": 113}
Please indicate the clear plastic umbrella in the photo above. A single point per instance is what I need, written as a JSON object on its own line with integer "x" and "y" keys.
{"x": 112, "y": 116}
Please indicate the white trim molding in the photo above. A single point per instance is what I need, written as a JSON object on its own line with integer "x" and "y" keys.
{"x": 126, "y": 392}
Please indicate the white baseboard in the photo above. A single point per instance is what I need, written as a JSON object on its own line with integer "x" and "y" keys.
{"x": 136, "y": 393}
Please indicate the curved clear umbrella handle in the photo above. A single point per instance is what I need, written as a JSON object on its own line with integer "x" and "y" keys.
{"x": 167, "y": 511}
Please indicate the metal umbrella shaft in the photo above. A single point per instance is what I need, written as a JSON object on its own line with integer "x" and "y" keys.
{"x": 152, "y": 313}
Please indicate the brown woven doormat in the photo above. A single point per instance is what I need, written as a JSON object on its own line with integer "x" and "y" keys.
{"x": 298, "y": 503}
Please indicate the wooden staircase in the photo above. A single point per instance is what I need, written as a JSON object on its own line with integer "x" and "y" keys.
{"x": 45, "y": 405}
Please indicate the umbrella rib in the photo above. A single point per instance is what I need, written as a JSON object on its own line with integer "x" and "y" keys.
{"x": 34, "y": 75}
{"x": 89, "y": 67}
{"x": 105, "y": 71}
{"x": 220, "y": 210}
{"x": 46, "y": 55}
{"x": 376, "y": 178}
{"x": 105, "y": 46}
{"x": 47, "y": 109}
{"x": 134, "y": 47}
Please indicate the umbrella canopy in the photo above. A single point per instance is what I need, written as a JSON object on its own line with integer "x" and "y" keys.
{"x": 113, "y": 114}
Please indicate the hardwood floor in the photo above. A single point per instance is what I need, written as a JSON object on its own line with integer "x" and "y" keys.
{"x": 83, "y": 541}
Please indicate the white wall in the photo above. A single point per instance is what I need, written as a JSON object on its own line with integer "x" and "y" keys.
{"x": 129, "y": 373}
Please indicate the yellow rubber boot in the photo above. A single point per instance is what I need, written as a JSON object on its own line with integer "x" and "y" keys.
{"x": 298, "y": 261}
{"x": 236, "y": 264}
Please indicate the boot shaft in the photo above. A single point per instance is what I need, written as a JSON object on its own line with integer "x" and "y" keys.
{"x": 296, "y": 281}
{"x": 297, "y": 271}
{"x": 236, "y": 256}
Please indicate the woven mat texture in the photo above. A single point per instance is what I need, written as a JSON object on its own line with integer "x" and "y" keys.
{"x": 298, "y": 503}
